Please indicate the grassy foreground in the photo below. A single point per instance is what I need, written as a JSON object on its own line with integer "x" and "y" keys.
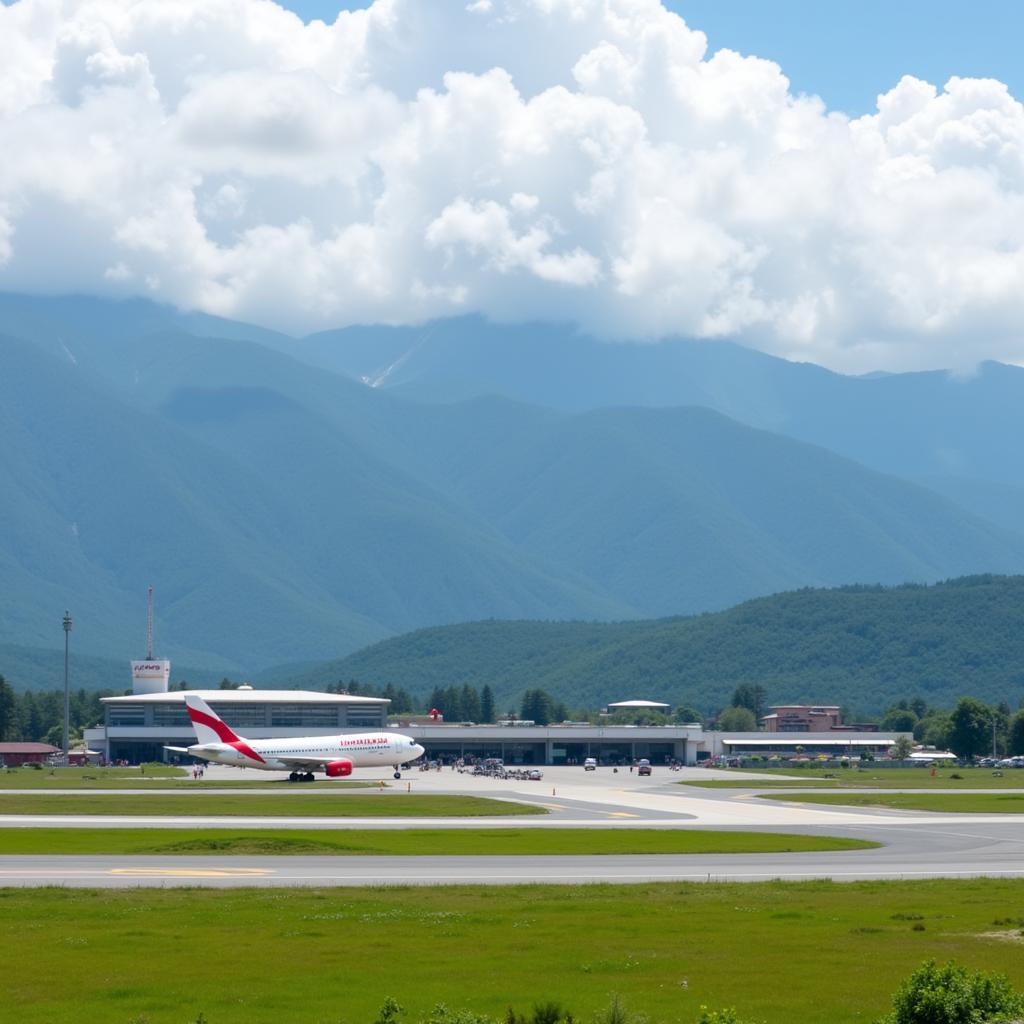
{"x": 952, "y": 803}
{"x": 779, "y": 952}
{"x": 410, "y": 842}
{"x": 154, "y": 777}
{"x": 296, "y": 804}
{"x": 881, "y": 778}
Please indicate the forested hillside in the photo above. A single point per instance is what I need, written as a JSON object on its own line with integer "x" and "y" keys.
{"x": 863, "y": 647}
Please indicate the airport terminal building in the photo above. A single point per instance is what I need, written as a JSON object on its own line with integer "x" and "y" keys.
{"x": 136, "y": 728}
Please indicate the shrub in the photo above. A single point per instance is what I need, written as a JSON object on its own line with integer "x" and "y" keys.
{"x": 718, "y": 1016}
{"x": 616, "y": 1013}
{"x": 442, "y": 1014}
{"x": 547, "y": 1013}
{"x": 389, "y": 1012}
{"x": 952, "y": 994}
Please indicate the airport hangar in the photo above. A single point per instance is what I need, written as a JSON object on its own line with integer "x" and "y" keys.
{"x": 137, "y": 727}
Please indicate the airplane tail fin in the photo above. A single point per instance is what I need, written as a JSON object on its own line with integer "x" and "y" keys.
{"x": 208, "y": 725}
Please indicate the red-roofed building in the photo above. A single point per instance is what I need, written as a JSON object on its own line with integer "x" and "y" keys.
{"x": 13, "y": 754}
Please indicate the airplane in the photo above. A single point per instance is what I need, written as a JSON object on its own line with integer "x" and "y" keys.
{"x": 301, "y": 755}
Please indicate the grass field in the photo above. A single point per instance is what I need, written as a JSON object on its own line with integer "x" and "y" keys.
{"x": 781, "y": 953}
{"x": 298, "y": 804}
{"x": 882, "y": 778}
{"x": 956, "y": 803}
{"x": 154, "y": 777}
{"x": 410, "y": 842}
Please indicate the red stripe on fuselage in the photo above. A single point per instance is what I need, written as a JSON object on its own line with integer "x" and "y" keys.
{"x": 243, "y": 748}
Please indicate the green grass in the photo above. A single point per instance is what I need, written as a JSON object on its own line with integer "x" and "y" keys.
{"x": 90, "y": 777}
{"x": 130, "y": 778}
{"x": 956, "y": 803}
{"x": 879, "y": 778}
{"x": 780, "y": 952}
{"x": 410, "y": 842}
{"x": 296, "y": 803}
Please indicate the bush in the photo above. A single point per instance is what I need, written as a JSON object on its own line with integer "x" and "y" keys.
{"x": 718, "y": 1017}
{"x": 442, "y": 1014}
{"x": 952, "y": 994}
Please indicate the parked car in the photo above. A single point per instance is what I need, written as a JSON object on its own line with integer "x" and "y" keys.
{"x": 535, "y": 774}
{"x": 644, "y": 767}
{"x": 590, "y": 764}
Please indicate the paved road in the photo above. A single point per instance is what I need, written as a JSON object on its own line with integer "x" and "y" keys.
{"x": 916, "y": 844}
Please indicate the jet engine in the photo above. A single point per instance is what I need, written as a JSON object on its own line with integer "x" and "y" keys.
{"x": 335, "y": 769}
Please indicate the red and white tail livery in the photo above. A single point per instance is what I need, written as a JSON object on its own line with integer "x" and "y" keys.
{"x": 335, "y": 756}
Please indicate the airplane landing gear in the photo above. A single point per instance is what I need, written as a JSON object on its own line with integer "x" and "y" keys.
{"x": 398, "y": 774}
{"x": 293, "y": 777}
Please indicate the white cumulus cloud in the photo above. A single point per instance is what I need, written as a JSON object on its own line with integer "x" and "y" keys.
{"x": 587, "y": 161}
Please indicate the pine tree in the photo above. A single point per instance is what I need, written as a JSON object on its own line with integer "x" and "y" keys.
{"x": 486, "y": 704}
{"x": 8, "y": 711}
{"x": 470, "y": 704}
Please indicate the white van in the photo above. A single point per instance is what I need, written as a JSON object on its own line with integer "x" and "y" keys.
{"x": 590, "y": 764}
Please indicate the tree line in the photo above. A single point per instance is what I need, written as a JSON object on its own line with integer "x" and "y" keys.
{"x": 971, "y": 728}
{"x": 873, "y": 644}
{"x": 38, "y": 716}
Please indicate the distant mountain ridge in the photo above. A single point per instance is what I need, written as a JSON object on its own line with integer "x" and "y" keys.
{"x": 863, "y": 647}
{"x": 286, "y": 512}
{"x": 953, "y": 430}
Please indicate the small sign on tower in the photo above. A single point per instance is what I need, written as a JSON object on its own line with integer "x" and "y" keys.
{"x": 152, "y": 675}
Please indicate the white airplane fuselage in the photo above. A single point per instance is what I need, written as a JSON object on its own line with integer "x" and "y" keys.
{"x": 364, "y": 750}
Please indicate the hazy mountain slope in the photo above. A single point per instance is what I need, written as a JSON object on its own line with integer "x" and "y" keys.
{"x": 289, "y": 542}
{"x": 101, "y": 500}
{"x": 684, "y": 510}
{"x": 64, "y": 319}
{"x": 863, "y": 647}
{"x": 909, "y": 424}
{"x": 41, "y": 668}
{"x": 367, "y": 523}
{"x": 636, "y": 511}
{"x": 1001, "y": 504}
{"x": 285, "y": 512}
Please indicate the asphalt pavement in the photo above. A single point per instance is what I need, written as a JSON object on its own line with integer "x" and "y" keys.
{"x": 915, "y": 844}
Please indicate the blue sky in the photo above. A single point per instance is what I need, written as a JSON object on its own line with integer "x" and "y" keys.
{"x": 848, "y": 52}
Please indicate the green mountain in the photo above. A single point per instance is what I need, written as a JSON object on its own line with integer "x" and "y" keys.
{"x": 863, "y": 647}
{"x": 290, "y": 543}
{"x": 285, "y": 512}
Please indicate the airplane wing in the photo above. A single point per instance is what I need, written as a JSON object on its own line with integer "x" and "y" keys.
{"x": 177, "y": 750}
{"x": 307, "y": 762}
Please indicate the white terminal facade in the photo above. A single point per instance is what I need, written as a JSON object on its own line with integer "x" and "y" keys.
{"x": 137, "y": 727}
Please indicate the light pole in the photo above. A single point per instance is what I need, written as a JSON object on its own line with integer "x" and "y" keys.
{"x": 67, "y": 698}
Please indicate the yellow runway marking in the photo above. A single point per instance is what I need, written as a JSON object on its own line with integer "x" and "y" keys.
{"x": 621, "y": 814}
{"x": 554, "y": 807}
{"x": 192, "y": 872}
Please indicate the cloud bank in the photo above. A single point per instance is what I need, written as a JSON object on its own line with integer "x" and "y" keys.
{"x": 577, "y": 160}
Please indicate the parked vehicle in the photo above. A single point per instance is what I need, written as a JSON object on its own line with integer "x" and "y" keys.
{"x": 590, "y": 764}
{"x": 644, "y": 767}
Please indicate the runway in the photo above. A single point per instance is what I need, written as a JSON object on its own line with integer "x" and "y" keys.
{"x": 915, "y": 844}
